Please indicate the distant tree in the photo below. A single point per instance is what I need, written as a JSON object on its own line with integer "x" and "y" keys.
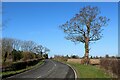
{"x": 17, "y": 44}
{"x": 85, "y": 27}
{"x": 39, "y": 49}
{"x": 51, "y": 57}
{"x": 45, "y": 56}
{"x": 28, "y": 46}
{"x": 46, "y": 50}
{"x": 112, "y": 56}
{"x": 96, "y": 57}
{"x": 74, "y": 56}
{"x": 100, "y": 57}
{"x": 91, "y": 57}
{"x": 14, "y": 50}
{"x": 118, "y": 57}
{"x": 67, "y": 56}
{"x": 106, "y": 56}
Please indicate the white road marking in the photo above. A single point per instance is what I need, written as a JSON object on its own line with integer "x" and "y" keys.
{"x": 49, "y": 70}
{"x": 74, "y": 71}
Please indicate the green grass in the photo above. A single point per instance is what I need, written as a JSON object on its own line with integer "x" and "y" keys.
{"x": 88, "y": 71}
{"x": 8, "y": 73}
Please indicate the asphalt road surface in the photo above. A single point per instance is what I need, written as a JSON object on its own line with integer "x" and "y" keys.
{"x": 50, "y": 69}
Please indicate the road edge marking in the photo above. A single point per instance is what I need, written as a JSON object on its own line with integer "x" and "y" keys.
{"x": 73, "y": 71}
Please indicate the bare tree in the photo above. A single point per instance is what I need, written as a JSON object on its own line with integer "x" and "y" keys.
{"x": 31, "y": 46}
{"x": 15, "y": 49}
{"x": 28, "y": 46}
{"x": 46, "y": 50}
{"x": 39, "y": 49}
{"x": 6, "y": 48}
{"x": 85, "y": 27}
{"x": 17, "y": 44}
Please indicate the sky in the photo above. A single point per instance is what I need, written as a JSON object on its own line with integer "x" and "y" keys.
{"x": 119, "y": 29}
{"x": 60, "y": 0}
{"x": 40, "y": 21}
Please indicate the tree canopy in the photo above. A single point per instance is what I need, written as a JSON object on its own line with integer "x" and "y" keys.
{"x": 86, "y": 26}
{"x": 87, "y": 23}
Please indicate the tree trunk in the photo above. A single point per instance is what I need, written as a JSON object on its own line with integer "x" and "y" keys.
{"x": 86, "y": 51}
{"x": 41, "y": 54}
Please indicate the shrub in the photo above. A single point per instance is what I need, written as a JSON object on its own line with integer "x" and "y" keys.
{"x": 111, "y": 65}
{"x": 32, "y": 62}
{"x": 45, "y": 56}
{"x": 27, "y": 56}
{"x": 20, "y": 65}
{"x": 16, "y": 55}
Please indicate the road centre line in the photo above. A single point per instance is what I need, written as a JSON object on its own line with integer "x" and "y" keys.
{"x": 49, "y": 70}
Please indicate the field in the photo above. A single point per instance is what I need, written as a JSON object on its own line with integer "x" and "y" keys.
{"x": 92, "y": 61}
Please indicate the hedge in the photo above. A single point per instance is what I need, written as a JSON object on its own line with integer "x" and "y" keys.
{"x": 112, "y": 65}
{"x": 20, "y": 65}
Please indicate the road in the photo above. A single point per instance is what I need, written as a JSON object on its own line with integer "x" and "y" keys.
{"x": 50, "y": 69}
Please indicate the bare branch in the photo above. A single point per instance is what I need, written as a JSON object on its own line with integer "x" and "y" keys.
{"x": 87, "y": 23}
{"x": 85, "y": 27}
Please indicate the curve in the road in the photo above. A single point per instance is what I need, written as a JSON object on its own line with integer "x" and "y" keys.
{"x": 50, "y": 69}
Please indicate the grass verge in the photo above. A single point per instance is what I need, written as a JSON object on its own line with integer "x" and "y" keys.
{"x": 88, "y": 71}
{"x": 10, "y": 73}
